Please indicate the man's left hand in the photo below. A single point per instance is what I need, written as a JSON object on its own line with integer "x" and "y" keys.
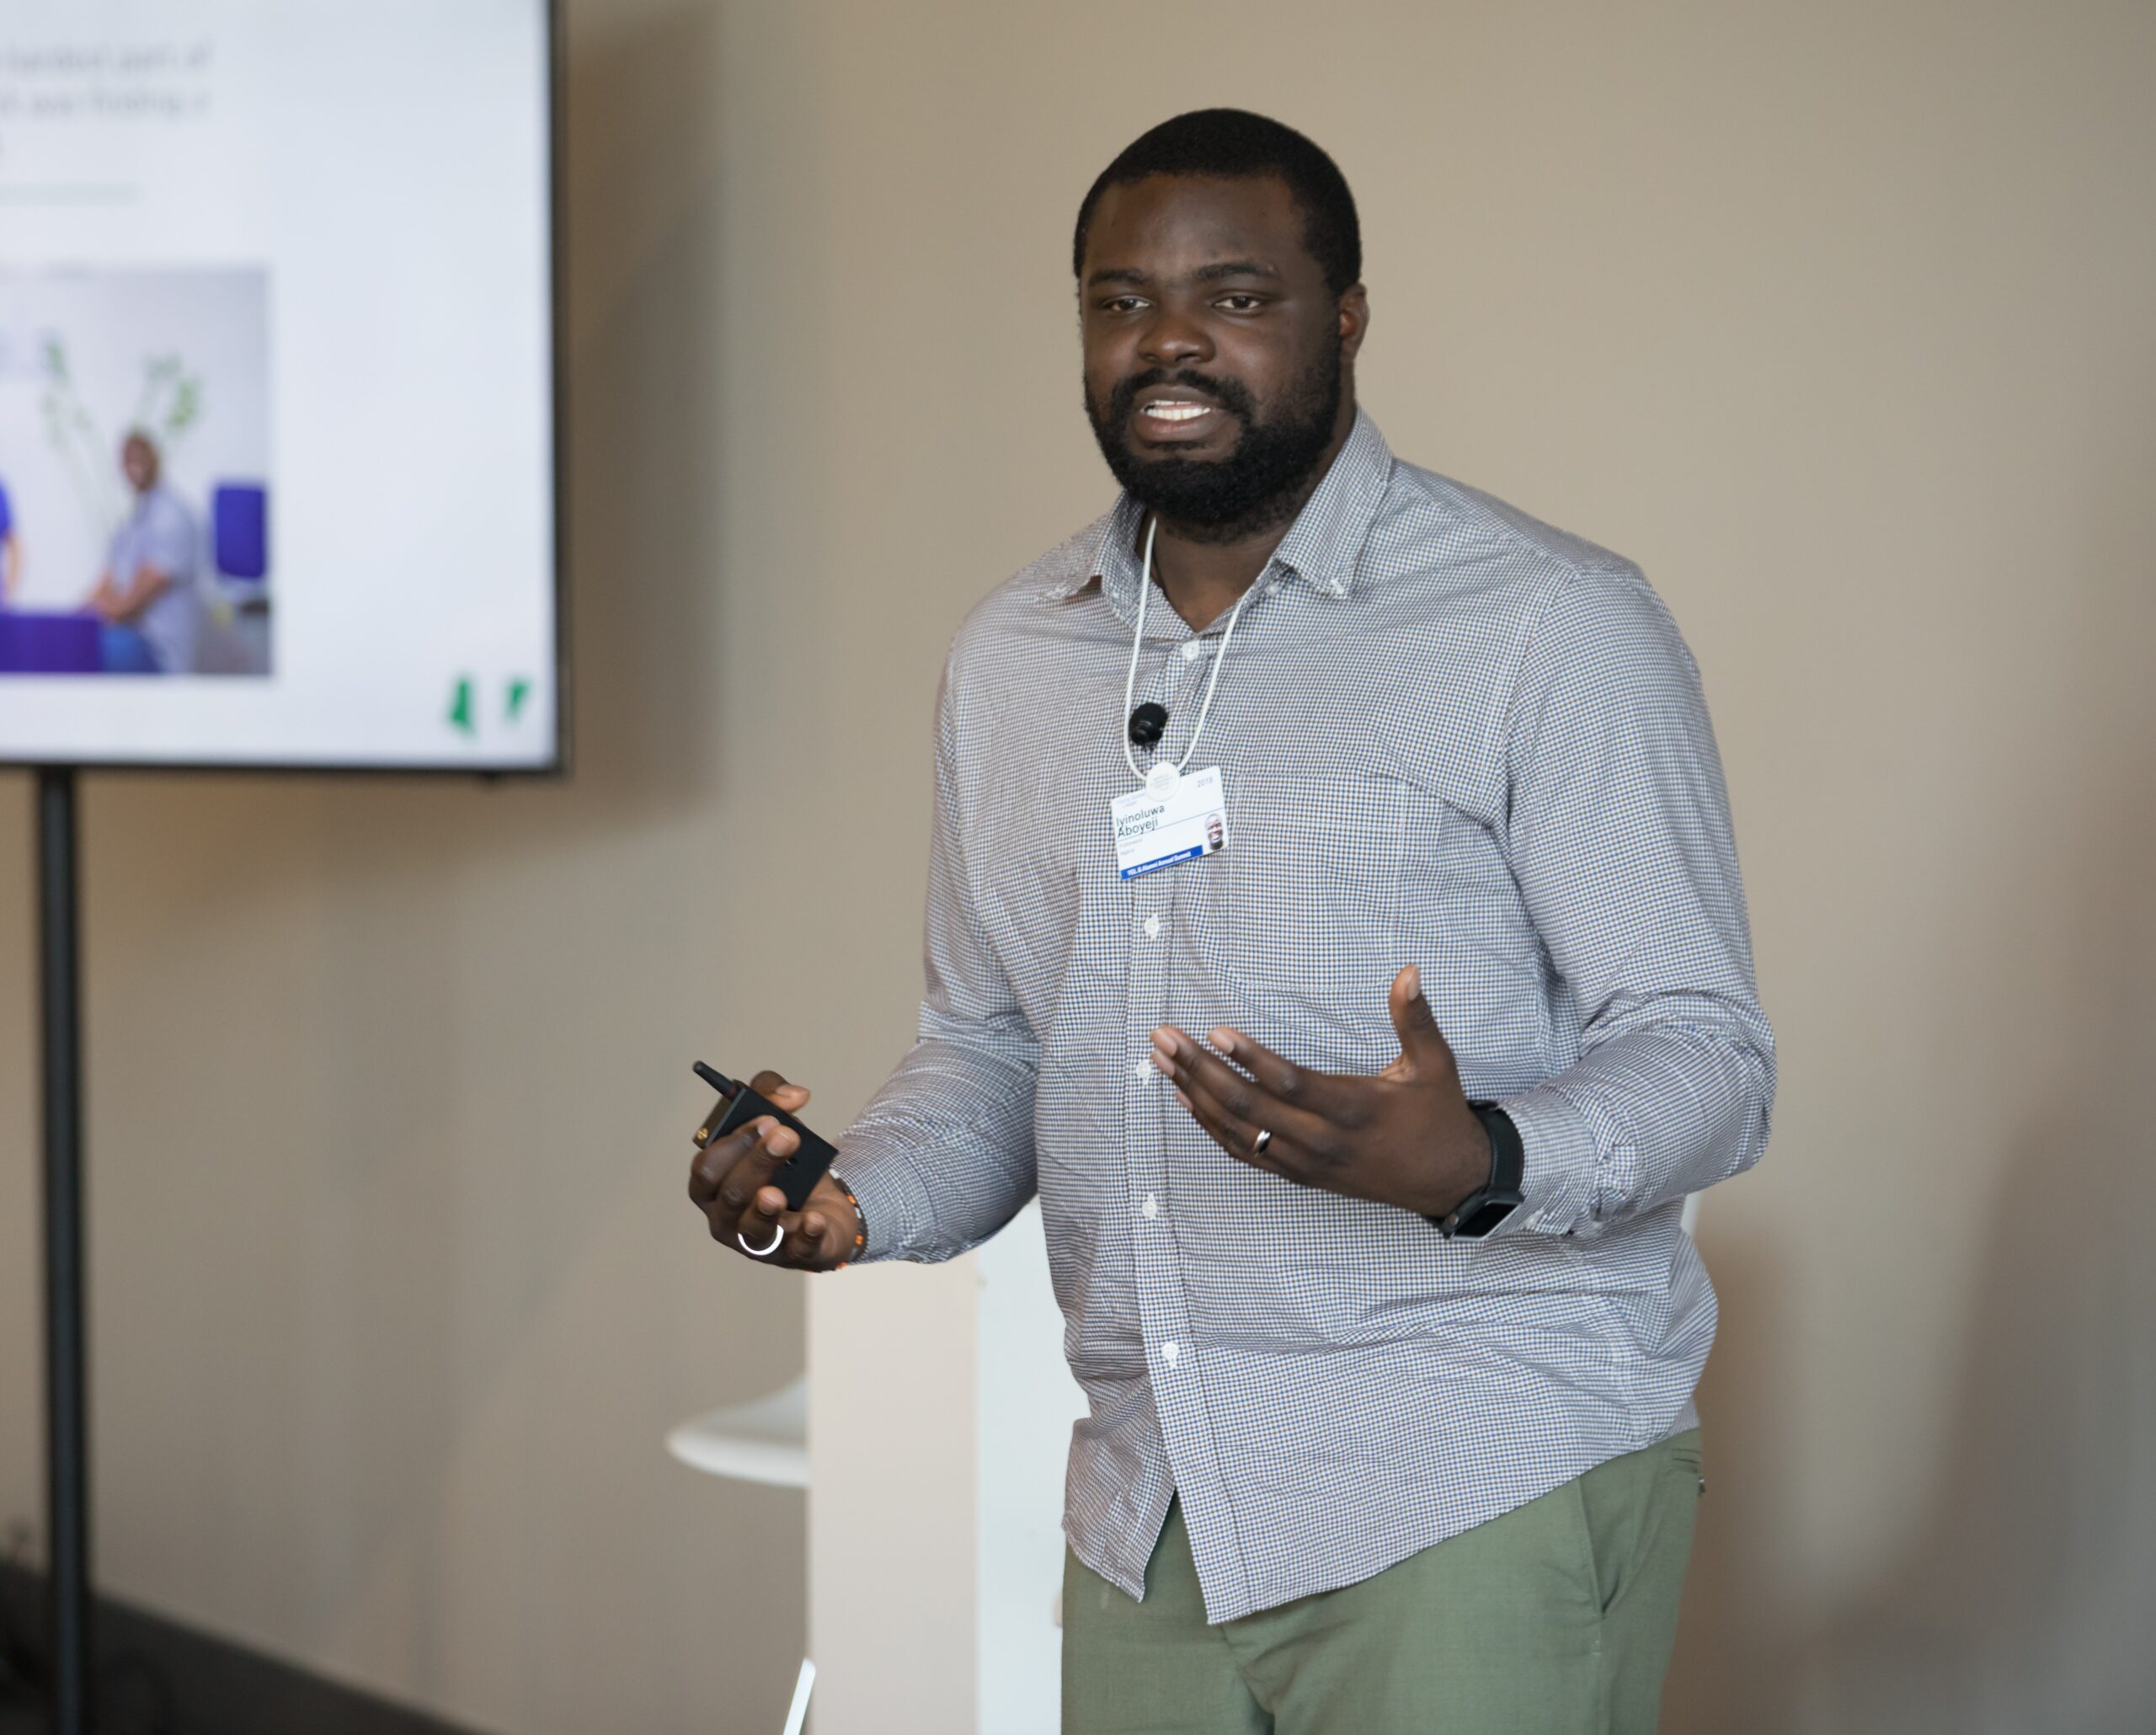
{"x": 1404, "y": 1137}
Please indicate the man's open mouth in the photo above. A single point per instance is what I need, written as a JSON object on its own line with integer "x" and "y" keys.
{"x": 1175, "y": 416}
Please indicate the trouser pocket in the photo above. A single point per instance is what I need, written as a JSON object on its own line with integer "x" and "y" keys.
{"x": 1637, "y": 1511}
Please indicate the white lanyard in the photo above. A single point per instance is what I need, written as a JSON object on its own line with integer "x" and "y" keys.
{"x": 1162, "y": 777}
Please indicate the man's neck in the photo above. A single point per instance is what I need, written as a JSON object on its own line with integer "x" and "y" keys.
{"x": 1201, "y": 577}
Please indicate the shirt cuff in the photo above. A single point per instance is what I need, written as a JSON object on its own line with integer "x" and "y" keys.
{"x": 895, "y": 1208}
{"x": 1557, "y": 1187}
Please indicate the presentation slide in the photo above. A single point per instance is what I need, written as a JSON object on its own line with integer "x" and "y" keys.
{"x": 276, "y": 384}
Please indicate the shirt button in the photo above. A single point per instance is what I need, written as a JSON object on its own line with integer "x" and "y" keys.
{"x": 1151, "y": 1207}
{"x": 1170, "y": 1350}
{"x": 1152, "y": 927}
{"x": 1143, "y": 1069}
{"x": 1192, "y": 649}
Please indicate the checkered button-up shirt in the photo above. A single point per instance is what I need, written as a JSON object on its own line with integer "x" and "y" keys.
{"x": 1451, "y": 736}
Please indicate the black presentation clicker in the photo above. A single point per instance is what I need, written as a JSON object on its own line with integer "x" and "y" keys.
{"x": 796, "y": 1177}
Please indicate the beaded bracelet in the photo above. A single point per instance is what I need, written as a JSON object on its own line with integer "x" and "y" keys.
{"x": 860, "y": 1225}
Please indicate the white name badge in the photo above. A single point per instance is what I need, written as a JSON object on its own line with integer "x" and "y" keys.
{"x": 1157, "y": 827}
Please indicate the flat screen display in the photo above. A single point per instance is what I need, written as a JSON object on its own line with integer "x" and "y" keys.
{"x": 277, "y": 444}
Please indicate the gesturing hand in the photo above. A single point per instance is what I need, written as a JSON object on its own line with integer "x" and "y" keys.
{"x": 731, "y": 1182}
{"x": 1404, "y": 1137}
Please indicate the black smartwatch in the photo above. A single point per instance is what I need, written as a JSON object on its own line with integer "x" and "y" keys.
{"x": 1496, "y": 1199}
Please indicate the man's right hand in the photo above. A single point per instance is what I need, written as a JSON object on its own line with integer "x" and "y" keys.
{"x": 730, "y": 1183}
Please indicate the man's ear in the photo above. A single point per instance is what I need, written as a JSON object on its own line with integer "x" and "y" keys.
{"x": 1355, "y": 321}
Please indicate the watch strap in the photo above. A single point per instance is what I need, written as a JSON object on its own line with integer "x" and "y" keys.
{"x": 1497, "y": 1197}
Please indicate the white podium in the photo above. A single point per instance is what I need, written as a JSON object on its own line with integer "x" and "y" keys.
{"x": 940, "y": 1412}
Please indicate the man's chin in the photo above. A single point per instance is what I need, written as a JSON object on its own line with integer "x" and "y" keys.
{"x": 1173, "y": 457}
{"x": 1175, "y": 462}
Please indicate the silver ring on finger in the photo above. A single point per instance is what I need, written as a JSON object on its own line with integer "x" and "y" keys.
{"x": 1264, "y": 1138}
{"x": 778, "y": 1235}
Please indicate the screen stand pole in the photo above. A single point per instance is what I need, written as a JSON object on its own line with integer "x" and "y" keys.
{"x": 67, "y": 1464}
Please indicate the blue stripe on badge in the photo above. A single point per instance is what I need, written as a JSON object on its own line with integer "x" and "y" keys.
{"x": 1196, "y": 849}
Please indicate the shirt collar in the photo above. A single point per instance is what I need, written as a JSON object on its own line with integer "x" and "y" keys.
{"x": 1321, "y": 548}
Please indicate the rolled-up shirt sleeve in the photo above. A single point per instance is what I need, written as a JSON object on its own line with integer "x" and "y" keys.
{"x": 1619, "y": 837}
{"x": 942, "y": 1157}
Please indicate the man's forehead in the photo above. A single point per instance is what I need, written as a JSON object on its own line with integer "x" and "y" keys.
{"x": 1174, "y": 226}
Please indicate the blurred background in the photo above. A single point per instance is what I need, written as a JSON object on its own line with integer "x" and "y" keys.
{"x": 1836, "y": 318}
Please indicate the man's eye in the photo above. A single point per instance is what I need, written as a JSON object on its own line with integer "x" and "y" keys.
{"x": 1122, "y": 304}
{"x": 1240, "y": 303}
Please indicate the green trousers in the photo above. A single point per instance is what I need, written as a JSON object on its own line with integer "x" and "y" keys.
{"x": 1557, "y": 1619}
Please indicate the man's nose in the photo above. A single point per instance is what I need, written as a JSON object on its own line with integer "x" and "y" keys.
{"x": 1172, "y": 340}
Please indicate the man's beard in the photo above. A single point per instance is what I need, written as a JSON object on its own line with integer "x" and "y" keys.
{"x": 1257, "y": 487}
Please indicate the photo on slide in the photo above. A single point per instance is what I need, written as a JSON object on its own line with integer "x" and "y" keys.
{"x": 135, "y": 476}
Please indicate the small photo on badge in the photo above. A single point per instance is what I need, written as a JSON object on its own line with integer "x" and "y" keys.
{"x": 1215, "y": 833}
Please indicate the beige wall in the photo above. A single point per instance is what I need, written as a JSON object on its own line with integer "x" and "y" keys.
{"x": 1836, "y": 316}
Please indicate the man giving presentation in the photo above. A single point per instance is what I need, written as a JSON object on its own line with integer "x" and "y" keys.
{"x": 1333, "y": 916}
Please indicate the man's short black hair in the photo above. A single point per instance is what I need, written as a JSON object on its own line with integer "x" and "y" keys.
{"x": 1237, "y": 145}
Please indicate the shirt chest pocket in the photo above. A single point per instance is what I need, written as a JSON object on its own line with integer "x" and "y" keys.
{"x": 1309, "y": 924}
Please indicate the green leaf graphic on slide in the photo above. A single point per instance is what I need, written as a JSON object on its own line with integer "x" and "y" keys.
{"x": 460, "y": 705}
{"x": 520, "y": 690}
